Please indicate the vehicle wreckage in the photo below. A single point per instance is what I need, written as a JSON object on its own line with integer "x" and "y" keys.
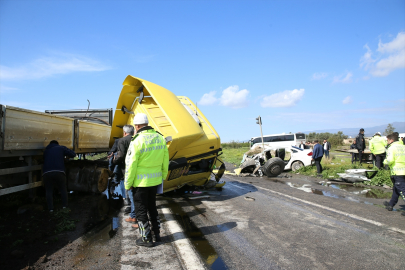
{"x": 272, "y": 161}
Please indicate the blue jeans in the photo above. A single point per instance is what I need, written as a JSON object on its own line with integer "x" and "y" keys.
{"x": 326, "y": 153}
{"x": 131, "y": 197}
{"x": 58, "y": 180}
{"x": 116, "y": 169}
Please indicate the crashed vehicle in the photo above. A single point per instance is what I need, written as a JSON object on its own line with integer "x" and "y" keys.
{"x": 194, "y": 145}
{"x": 273, "y": 160}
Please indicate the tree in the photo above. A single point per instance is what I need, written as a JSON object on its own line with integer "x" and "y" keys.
{"x": 389, "y": 130}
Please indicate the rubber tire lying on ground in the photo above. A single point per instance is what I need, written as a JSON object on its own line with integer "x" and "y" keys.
{"x": 273, "y": 167}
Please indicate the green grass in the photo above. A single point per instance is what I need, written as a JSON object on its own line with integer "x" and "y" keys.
{"x": 233, "y": 155}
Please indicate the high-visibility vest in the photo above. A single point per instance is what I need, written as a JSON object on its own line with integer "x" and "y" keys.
{"x": 147, "y": 160}
{"x": 396, "y": 158}
{"x": 377, "y": 145}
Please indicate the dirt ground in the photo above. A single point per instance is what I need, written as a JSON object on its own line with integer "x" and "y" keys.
{"x": 33, "y": 238}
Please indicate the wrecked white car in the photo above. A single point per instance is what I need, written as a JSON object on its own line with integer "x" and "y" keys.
{"x": 273, "y": 161}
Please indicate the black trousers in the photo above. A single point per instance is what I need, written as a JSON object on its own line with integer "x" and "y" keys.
{"x": 145, "y": 201}
{"x": 379, "y": 160}
{"x": 318, "y": 164}
{"x": 398, "y": 189}
{"x": 354, "y": 157}
{"x": 360, "y": 156}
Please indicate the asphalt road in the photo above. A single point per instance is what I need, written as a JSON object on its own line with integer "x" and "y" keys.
{"x": 292, "y": 223}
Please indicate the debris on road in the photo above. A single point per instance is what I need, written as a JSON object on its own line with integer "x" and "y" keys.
{"x": 357, "y": 175}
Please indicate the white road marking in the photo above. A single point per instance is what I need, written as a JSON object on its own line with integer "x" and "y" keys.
{"x": 323, "y": 207}
{"x": 189, "y": 256}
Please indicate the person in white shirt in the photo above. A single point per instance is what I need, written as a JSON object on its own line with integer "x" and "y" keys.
{"x": 326, "y": 148}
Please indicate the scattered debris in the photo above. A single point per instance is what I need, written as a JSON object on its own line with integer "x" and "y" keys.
{"x": 250, "y": 199}
{"x": 199, "y": 197}
{"x": 357, "y": 175}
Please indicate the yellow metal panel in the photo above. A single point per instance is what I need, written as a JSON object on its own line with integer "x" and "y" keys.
{"x": 26, "y": 129}
{"x": 167, "y": 114}
{"x": 92, "y": 135}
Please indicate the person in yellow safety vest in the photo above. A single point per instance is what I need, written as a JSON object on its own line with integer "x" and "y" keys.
{"x": 147, "y": 164}
{"x": 396, "y": 161}
{"x": 377, "y": 147}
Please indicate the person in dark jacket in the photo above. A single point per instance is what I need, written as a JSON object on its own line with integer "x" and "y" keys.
{"x": 326, "y": 148}
{"x": 354, "y": 155}
{"x": 54, "y": 171}
{"x": 361, "y": 144}
{"x": 317, "y": 155}
{"x": 119, "y": 160}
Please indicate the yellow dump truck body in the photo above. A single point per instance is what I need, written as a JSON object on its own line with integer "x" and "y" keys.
{"x": 194, "y": 144}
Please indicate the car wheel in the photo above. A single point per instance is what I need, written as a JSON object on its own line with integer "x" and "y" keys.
{"x": 273, "y": 167}
{"x": 296, "y": 166}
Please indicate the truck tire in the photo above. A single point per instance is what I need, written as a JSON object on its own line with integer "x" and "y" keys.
{"x": 273, "y": 167}
{"x": 248, "y": 166}
{"x": 296, "y": 166}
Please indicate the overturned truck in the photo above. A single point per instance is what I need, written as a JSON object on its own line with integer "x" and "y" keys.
{"x": 193, "y": 143}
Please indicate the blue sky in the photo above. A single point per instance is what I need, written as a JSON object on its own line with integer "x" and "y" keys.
{"x": 301, "y": 65}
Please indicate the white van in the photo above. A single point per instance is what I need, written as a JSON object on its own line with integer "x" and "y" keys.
{"x": 279, "y": 140}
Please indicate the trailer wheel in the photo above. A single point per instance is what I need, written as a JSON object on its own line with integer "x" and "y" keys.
{"x": 273, "y": 167}
{"x": 248, "y": 166}
{"x": 296, "y": 166}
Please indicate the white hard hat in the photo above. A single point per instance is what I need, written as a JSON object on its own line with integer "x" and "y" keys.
{"x": 377, "y": 133}
{"x": 140, "y": 119}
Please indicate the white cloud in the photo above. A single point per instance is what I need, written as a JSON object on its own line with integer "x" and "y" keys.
{"x": 347, "y": 100}
{"x": 208, "y": 99}
{"x": 5, "y": 89}
{"x": 286, "y": 98}
{"x": 49, "y": 66}
{"x": 319, "y": 75}
{"x": 340, "y": 79}
{"x": 390, "y": 56}
{"x": 234, "y": 98}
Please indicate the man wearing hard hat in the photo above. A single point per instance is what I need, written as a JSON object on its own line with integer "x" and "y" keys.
{"x": 147, "y": 164}
{"x": 377, "y": 147}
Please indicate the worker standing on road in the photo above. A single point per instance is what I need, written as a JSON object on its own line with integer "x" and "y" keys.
{"x": 317, "y": 155}
{"x": 360, "y": 144}
{"x": 396, "y": 161}
{"x": 326, "y": 148}
{"x": 54, "y": 172}
{"x": 354, "y": 155}
{"x": 119, "y": 160}
{"x": 377, "y": 147}
{"x": 147, "y": 164}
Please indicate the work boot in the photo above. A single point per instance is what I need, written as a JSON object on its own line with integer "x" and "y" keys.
{"x": 146, "y": 235}
{"x": 388, "y": 206}
{"x": 131, "y": 220}
{"x": 156, "y": 238}
{"x": 142, "y": 243}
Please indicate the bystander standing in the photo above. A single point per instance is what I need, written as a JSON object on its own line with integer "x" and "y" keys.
{"x": 317, "y": 155}
{"x": 54, "y": 172}
{"x": 396, "y": 161}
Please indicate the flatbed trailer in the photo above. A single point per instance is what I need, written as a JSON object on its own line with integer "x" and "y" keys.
{"x": 24, "y": 134}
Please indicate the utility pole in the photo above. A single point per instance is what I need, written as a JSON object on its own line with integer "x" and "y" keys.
{"x": 259, "y": 122}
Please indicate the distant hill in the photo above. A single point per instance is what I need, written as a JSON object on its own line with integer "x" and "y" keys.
{"x": 369, "y": 131}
